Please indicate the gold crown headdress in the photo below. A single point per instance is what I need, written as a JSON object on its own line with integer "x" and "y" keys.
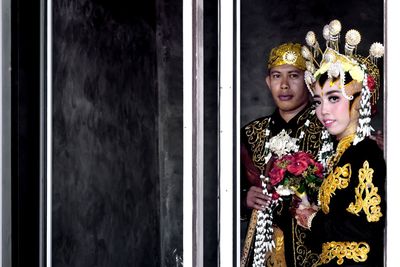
{"x": 335, "y": 65}
{"x": 286, "y": 53}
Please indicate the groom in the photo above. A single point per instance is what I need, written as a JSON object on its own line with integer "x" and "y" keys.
{"x": 295, "y": 115}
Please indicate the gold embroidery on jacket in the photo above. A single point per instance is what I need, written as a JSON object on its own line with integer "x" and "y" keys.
{"x": 257, "y": 138}
{"x": 339, "y": 179}
{"x": 302, "y": 255}
{"x": 342, "y": 146}
{"x": 356, "y": 251}
{"x": 276, "y": 257}
{"x": 244, "y": 261}
{"x": 367, "y": 198}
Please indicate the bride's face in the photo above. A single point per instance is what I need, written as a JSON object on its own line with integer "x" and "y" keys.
{"x": 333, "y": 109}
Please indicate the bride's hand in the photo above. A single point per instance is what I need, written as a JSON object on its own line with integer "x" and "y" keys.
{"x": 305, "y": 214}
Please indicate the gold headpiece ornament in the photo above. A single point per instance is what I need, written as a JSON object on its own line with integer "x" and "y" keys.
{"x": 361, "y": 69}
{"x": 287, "y": 53}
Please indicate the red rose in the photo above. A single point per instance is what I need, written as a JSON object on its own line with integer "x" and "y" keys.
{"x": 319, "y": 170}
{"x": 301, "y": 155}
{"x": 297, "y": 167}
{"x": 276, "y": 175}
{"x": 288, "y": 158}
{"x": 275, "y": 195}
{"x": 371, "y": 83}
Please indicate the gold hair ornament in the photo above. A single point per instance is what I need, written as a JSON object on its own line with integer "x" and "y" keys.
{"x": 335, "y": 65}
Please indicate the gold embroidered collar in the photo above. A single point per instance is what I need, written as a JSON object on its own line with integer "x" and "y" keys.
{"x": 343, "y": 145}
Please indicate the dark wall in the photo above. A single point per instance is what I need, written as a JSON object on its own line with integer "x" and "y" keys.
{"x": 266, "y": 24}
{"x": 106, "y": 184}
{"x": 170, "y": 121}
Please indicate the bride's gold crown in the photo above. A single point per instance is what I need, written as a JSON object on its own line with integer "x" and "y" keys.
{"x": 334, "y": 63}
{"x": 361, "y": 69}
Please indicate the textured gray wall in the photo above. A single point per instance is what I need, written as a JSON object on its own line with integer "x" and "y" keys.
{"x": 106, "y": 185}
{"x": 266, "y": 24}
{"x": 118, "y": 150}
{"x": 170, "y": 118}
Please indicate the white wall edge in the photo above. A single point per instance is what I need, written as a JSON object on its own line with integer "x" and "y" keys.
{"x": 238, "y": 125}
{"x": 1, "y": 130}
{"x": 226, "y": 127}
{"x": 187, "y": 133}
{"x": 49, "y": 132}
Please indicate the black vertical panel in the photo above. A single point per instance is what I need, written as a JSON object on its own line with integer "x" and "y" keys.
{"x": 210, "y": 133}
{"x": 105, "y": 141}
{"x": 25, "y": 131}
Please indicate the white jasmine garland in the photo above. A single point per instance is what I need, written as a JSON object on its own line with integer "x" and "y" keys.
{"x": 283, "y": 144}
{"x": 309, "y": 79}
{"x": 264, "y": 231}
{"x": 284, "y": 190}
{"x": 364, "y": 127}
{"x": 326, "y": 150}
{"x": 279, "y": 145}
{"x": 325, "y": 134}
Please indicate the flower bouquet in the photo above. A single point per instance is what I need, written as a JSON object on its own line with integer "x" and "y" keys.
{"x": 294, "y": 174}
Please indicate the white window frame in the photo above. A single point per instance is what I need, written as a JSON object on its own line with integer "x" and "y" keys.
{"x": 228, "y": 140}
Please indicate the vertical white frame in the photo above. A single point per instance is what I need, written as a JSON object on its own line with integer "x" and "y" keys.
{"x": 187, "y": 133}
{"x": 237, "y": 136}
{"x": 46, "y": 133}
{"x": 193, "y": 133}
{"x": 49, "y": 130}
{"x": 228, "y": 142}
{"x": 229, "y": 108}
{"x": 1, "y": 130}
{"x": 225, "y": 122}
{"x": 198, "y": 126}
